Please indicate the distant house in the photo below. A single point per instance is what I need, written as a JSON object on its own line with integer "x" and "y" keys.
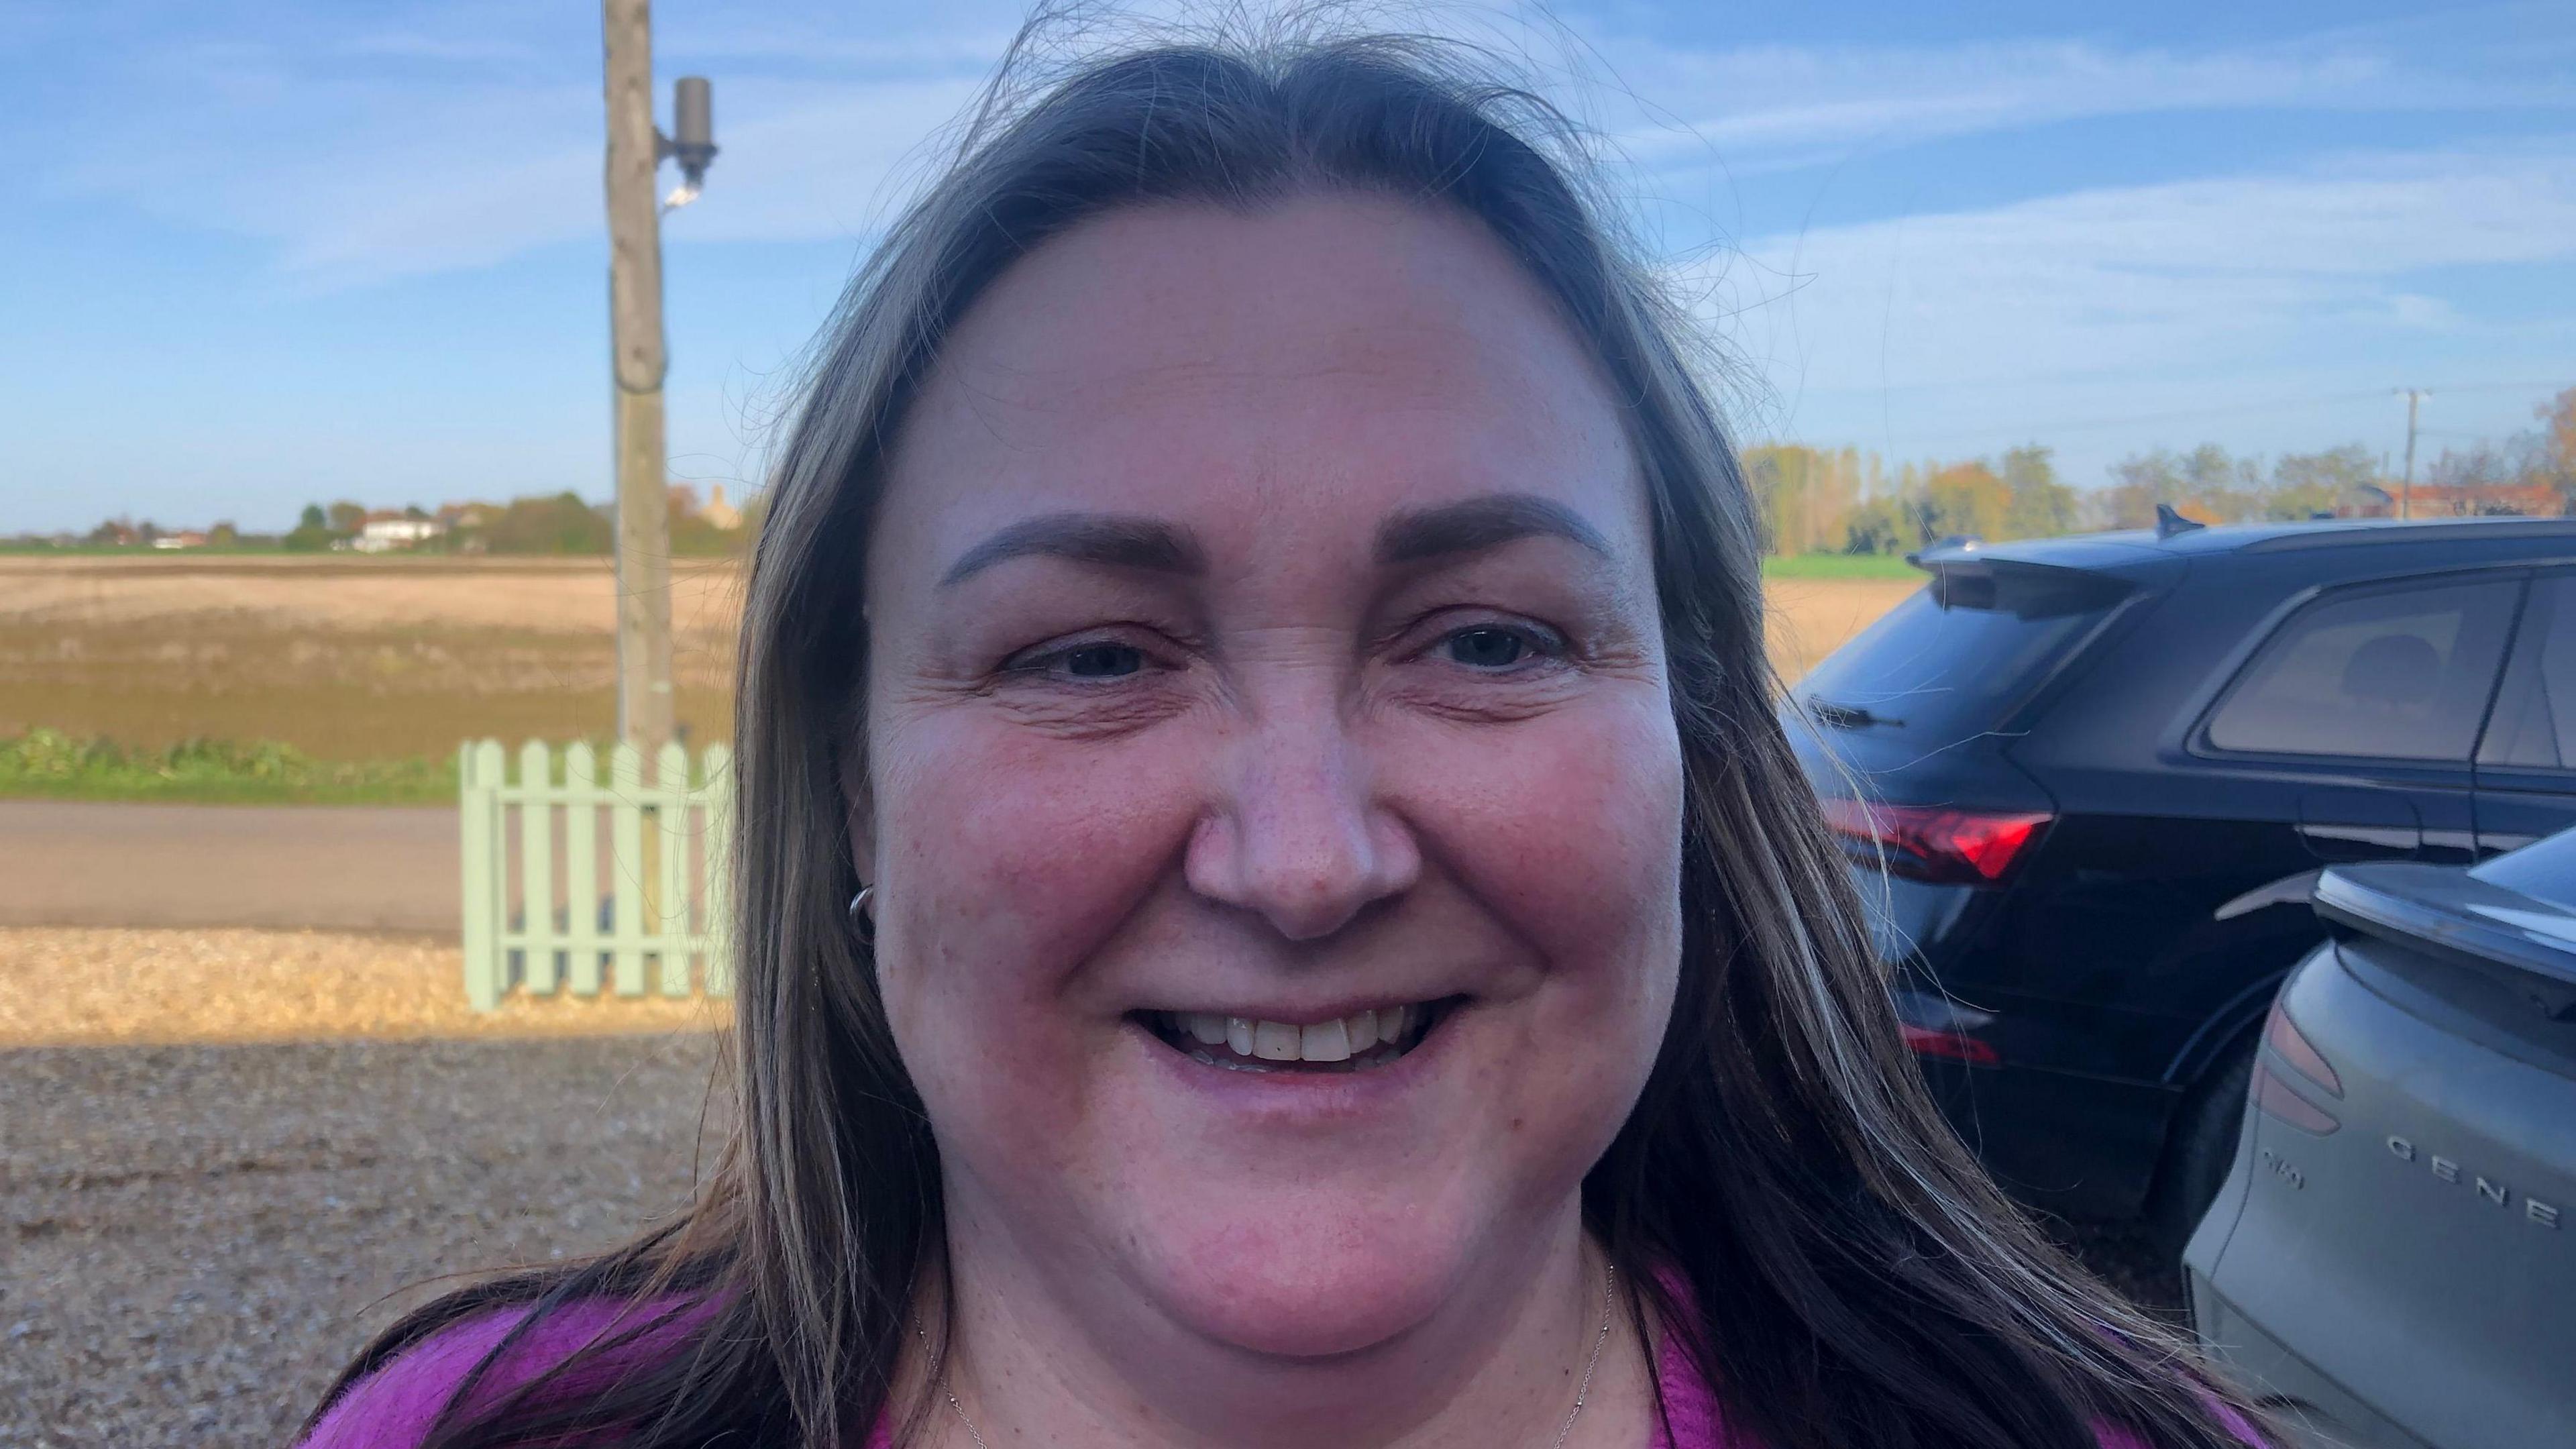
{"x": 2450, "y": 500}
{"x": 185, "y": 538}
{"x": 387, "y": 532}
{"x": 2467, "y": 500}
{"x": 717, "y": 512}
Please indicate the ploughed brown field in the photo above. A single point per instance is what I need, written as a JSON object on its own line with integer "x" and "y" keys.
{"x": 377, "y": 658}
{"x": 344, "y": 658}
{"x": 1811, "y": 618}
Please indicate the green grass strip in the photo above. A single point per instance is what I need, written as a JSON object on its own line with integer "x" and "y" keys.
{"x": 1840, "y": 566}
{"x": 48, "y": 764}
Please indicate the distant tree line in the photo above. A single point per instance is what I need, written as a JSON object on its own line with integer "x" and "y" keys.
{"x": 560, "y": 523}
{"x": 124, "y": 532}
{"x": 1818, "y": 500}
{"x": 1813, "y": 500}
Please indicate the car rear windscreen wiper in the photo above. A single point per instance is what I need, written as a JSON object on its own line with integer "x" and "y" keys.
{"x": 1846, "y": 716}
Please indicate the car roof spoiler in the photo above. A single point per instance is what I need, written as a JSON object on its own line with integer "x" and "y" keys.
{"x": 1954, "y": 549}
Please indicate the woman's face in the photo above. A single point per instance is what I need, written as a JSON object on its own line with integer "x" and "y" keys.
{"x": 1265, "y": 657}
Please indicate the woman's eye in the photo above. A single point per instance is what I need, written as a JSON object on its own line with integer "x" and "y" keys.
{"x": 1486, "y": 648}
{"x": 1086, "y": 661}
{"x": 1099, "y": 661}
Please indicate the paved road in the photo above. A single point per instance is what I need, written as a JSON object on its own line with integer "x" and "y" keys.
{"x": 356, "y": 869}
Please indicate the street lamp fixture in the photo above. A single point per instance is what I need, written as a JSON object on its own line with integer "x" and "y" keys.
{"x": 694, "y": 144}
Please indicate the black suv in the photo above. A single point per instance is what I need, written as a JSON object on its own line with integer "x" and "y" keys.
{"x": 2101, "y": 774}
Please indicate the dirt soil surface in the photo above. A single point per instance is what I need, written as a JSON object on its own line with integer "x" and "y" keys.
{"x": 344, "y": 658}
{"x": 567, "y": 596}
{"x": 1808, "y": 619}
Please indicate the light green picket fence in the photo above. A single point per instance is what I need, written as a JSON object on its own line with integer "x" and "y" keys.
{"x": 577, "y": 881}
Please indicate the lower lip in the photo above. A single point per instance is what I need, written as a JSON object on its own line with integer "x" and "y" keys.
{"x": 1304, "y": 1096}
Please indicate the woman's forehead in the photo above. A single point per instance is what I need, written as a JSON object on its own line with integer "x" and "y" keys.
{"x": 1317, "y": 366}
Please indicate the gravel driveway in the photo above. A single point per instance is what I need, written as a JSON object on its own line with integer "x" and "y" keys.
{"x": 193, "y": 1238}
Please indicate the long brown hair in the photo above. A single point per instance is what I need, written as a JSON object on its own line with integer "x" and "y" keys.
{"x": 1784, "y": 1198}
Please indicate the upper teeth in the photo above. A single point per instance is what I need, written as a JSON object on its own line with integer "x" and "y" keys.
{"x": 1337, "y": 1040}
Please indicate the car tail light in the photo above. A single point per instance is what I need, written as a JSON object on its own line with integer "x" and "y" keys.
{"x": 2283, "y": 1036}
{"x": 2279, "y": 1098}
{"x": 1958, "y": 1046}
{"x": 1935, "y": 842}
{"x": 2276, "y": 1097}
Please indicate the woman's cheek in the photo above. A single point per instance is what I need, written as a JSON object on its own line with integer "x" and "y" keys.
{"x": 1584, "y": 862}
{"x": 1567, "y": 825}
{"x": 1027, "y": 850}
{"x": 1013, "y": 860}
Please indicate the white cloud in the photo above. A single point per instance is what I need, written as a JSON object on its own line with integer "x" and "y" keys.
{"x": 381, "y": 154}
{"x": 2137, "y": 277}
{"x": 369, "y": 153}
{"x": 1765, "y": 107}
{"x": 412, "y": 45}
{"x": 799, "y": 162}
{"x": 2275, "y": 310}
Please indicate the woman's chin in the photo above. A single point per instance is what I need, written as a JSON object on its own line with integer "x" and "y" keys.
{"x": 1301, "y": 1320}
{"x": 1279, "y": 1292}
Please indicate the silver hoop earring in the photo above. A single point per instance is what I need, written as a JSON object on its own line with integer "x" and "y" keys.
{"x": 859, "y": 919}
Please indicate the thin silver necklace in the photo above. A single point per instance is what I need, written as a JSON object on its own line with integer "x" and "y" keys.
{"x": 1582, "y": 1390}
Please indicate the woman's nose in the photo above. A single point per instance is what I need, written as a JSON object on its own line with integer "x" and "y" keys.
{"x": 1296, "y": 834}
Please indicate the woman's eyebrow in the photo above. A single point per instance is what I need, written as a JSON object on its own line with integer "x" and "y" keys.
{"x": 1474, "y": 524}
{"x": 1118, "y": 540}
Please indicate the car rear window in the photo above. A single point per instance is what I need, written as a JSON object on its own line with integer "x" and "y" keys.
{"x": 2391, "y": 674}
{"x": 2535, "y": 713}
{"x": 1954, "y": 658}
{"x": 2545, "y": 871}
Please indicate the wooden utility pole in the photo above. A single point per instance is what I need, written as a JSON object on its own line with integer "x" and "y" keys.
{"x": 2406, "y": 490}
{"x": 644, "y": 697}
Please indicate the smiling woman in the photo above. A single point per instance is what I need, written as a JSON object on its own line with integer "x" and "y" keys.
{"x": 1275, "y": 909}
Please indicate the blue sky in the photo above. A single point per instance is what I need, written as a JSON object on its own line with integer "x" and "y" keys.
{"x": 263, "y": 253}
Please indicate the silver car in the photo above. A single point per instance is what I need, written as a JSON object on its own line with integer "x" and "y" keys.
{"x": 2394, "y": 1253}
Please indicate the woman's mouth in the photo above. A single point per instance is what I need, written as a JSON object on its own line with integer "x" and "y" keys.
{"x": 1359, "y": 1042}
